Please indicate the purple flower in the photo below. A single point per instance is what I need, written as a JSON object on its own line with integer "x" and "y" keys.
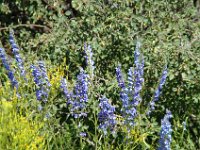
{"x": 48, "y": 115}
{"x": 162, "y": 82}
{"x": 138, "y": 76}
{"x": 120, "y": 78}
{"x": 130, "y": 81}
{"x": 83, "y": 134}
{"x": 36, "y": 74}
{"x": 7, "y": 67}
{"x": 127, "y": 109}
{"x": 81, "y": 87}
{"x": 137, "y": 54}
{"x": 15, "y": 50}
{"x": 124, "y": 91}
{"x": 42, "y": 83}
{"x": 78, "y": 99}
{"x": 106, "y": 116}
{"x": 63, "y": 86}
{"x": 165, "y": 133}
{"x": 135, "y": 81}
{"x": 125, "y": 99}
{"x": 158, "y": 91}
{"x": 44, "y": 72}
{"x": 89, "y": 61}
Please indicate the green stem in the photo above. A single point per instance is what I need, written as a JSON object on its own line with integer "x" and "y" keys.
{"x": 95, "y": 130}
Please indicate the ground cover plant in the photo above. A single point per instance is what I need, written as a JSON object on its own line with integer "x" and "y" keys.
{"x": 99, "y": 74}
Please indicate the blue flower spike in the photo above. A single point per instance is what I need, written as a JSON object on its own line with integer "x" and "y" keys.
{"x": 165, "y": 133}
{"x": 89, "y": 60}
{"x": 11, "y": 76}
{"x": 106, "y": 116}
{"x": 158, "y": 91}
{"x": 15, "y": 50}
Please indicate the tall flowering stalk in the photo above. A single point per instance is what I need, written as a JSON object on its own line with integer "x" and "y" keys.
{"x": 79, "y": 97}
{"x": 15, "y": 50}
{"x": 165, "y": 133}
{"x": 158, "y": 91}
{"x": 138, "y": 76}
{"x": 63, "y": 86}
{"x": 44, "y": 72}
{"x": 130, "y": 80}
{"x": 131, "y": 96}
{"x": 41, "y": 81}
{"x": 120, "y": 79}
{"x": 106, "y": 116}
{"x": 7, "y": 67}
{"x": 124, "y": 93}
{"x": 131, "y": 111}
{"x": 89, "y": 60}
{"x": 81, "y": 87}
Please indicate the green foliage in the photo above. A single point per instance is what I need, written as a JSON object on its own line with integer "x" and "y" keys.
{"x": 56, "y": 30}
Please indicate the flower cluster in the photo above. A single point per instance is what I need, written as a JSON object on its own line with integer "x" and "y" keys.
{"x": 130, "y": 80}
{"x": 130, "y": 109}
{"x": 79, "y": 97}
{"x": 15, "y": 50}
{"x": 7, "y": 67}
{"x": 158, "y": 91}
{"x": 63, "y": 86}
{"x": 135, "y": 80}
{"x": 120, "y": 80}
{"x": 82, "y": 134}
{"x": 138, "y": 76}
{"x": 106, "y": 116}
{"x": 165, "y": 133}
{"x": 41, "y": 81}
{"x": 44, "y": 72}
{"x": 89, "y": 61}
{"x": 81, "y": 87}
{"x": 124, "y": 95}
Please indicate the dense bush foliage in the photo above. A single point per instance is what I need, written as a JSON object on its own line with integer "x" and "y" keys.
{"x": 55, "y": 32}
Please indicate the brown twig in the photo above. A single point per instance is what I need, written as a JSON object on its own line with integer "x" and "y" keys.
{"x": 27, "y": 25}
